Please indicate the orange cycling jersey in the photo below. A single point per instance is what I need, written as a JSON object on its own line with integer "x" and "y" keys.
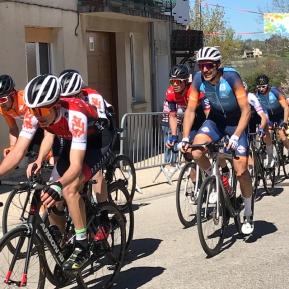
{"x": 18, "y": 109}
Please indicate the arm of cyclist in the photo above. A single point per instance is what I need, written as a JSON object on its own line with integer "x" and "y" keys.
{"x": 45, "y": 148}
{"x": 189, "y": 117}
{"x": 12, "y": 160}
{"x": 173, "y": 124}
{"x": 13, "y": 134}
{"x": 243, "y": 103}
{"x": 285, "y": 106}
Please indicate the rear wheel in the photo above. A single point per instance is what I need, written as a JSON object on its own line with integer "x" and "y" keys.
{"x": 210, "y": 218}
{"x": 118, "y": 193}
{"x": 123, "y": 168}
{"x": 107, "y": 255}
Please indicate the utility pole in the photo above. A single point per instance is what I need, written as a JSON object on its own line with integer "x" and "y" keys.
{"x": 198, "y": 12}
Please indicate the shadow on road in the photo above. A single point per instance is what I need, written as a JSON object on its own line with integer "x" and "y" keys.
{"x": 135, "y": 277}
{"x": 261, "y": 193}
{"x": 261, "y": 228}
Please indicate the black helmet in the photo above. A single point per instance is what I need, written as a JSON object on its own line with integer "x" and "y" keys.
{"x": 68, "y": 70}
{"x": 180, "y": 71}
{"x": 6, "y": 84}
{"x": 262, "y": 79}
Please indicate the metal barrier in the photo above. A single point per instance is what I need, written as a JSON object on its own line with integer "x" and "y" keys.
{"x": 142, "y": 140}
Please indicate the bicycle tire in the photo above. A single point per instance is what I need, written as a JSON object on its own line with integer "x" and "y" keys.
{"x": 118, "y": 194}
{"x": 124, "y": 169}
{"x": 113, "y": 255}
{"x": 209, "y": 214}
{"x": 187, "y": 215}
{"x": 7, "y": 210}
{"x": 21, "y": 232}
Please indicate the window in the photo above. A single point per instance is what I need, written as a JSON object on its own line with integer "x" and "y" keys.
{"x": 137, "y": 67}
{"x": 37, "y": 59}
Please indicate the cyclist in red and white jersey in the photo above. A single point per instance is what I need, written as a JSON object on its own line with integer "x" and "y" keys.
{"x": 71, "y": 84}
{"x": 72, "y": 119}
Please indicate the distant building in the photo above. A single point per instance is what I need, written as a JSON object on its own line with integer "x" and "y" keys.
{"x": 256, "y": 52}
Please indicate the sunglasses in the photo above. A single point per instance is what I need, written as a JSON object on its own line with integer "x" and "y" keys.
{"x": 262, "y": 86}
{"x": 3, "y": 100}
{"x": 176, "y": 81}
{"x": 208, "y": 65}
{"x": 41, "y": 112}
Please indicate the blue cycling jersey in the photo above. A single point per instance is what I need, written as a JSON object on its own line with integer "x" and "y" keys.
{"x": 270, "y": 102}
{"x": 223, "y": 102}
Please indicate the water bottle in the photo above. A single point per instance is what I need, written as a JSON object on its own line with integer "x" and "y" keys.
{"x": 227, "y": 187}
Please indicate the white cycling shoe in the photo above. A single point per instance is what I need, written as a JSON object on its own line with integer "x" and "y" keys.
{"x": 248, "y": 225}
{"x": 269, "y": 163}
{"x": 213, "y": 197}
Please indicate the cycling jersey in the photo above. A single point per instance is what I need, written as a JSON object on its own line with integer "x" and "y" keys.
{"x": 270, "y": 103}
{"x": 178, "y": 102}
{"x": 17, "y": 110}
{"x": 222, "y": 98}
{"x": 94, "y": 98}
{"x": 75, "y": 121}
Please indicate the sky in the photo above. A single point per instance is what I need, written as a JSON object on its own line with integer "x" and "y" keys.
{"x": 243, "y": 21}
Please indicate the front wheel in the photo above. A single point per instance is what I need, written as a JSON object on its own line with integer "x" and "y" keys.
{"x": 210, "y": 217}
{"x": 13, "y": 262}
{"x": 187, "y": 191}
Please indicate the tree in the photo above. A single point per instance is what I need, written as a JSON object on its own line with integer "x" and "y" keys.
{"x": 216, "y": 30}
{"x": 281, "y": 5}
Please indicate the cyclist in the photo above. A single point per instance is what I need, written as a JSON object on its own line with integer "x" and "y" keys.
{"x": 12, "y": 108}
{"x": 274, "y": 103}
{"x": 260, "y": 118}
{"x": 72, "y": 86}
{"x": 177, "y": 96}
{"x": 72, "y": 119}
{"x": 229, "y": 115}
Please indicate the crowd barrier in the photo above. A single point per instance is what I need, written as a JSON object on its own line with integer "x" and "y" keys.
{"x": 142, "y": 139}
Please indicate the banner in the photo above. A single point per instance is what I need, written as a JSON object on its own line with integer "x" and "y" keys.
{"x": 277, "y": 23}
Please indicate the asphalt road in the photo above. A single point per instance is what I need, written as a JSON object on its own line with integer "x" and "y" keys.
{"x": 164, "y": 255}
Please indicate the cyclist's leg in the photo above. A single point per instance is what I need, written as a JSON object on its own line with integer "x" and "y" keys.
{"x": 244, "y": 178}
{"x": 207, "y": 133}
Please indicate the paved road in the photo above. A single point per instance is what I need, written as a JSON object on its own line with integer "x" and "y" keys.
{"x": 164, "y": 255}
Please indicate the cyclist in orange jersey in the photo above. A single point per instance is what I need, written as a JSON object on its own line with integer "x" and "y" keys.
{"x": 13, "y": 108}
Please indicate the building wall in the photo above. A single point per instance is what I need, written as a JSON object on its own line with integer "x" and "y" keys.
{"x": 67, "y": 49}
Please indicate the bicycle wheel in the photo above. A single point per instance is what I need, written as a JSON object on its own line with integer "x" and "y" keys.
{"x": 210, "y": 218}
{"x": 107, "y": 255}
{"x": 123, "y": 169}
{"x": 16, "y": 209}
{"x": 187, "y": 194}
{"x": 118, "y": 194}
{"x": 12, "y": 264}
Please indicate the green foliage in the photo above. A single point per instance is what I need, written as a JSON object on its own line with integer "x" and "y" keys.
{"x": 216, "y": 31}
{"x": 275, "y": 68}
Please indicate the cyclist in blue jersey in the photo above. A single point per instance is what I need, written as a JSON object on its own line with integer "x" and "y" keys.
{"x": 229, "y": 115}
{"x": 274, "y": 104}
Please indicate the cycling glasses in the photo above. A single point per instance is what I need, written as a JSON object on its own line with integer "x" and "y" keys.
{"x": 3, "y": 99}
{"x": 41, "y": 111}
{"x": 176, "y": 81}
{"x": 208, "y": 65}
{"x": 262, "y": 86}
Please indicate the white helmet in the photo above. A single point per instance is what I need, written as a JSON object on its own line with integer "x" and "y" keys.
{"x": 209, "y": 53}
{"x": 43, "y": 90}
{"x": 71, "y": 83}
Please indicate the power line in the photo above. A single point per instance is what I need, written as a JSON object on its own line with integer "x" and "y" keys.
{"x": 226, "y": 7}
